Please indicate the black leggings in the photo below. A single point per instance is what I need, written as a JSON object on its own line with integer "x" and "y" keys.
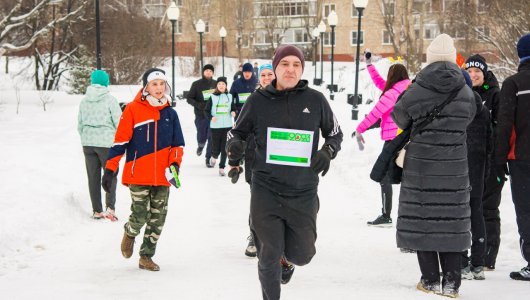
{"x": 219, "y": 144}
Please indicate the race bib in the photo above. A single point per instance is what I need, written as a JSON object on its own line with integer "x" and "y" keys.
{"x": 222, "y": 109}
{"x": 206, "y": 94}
{"x": 243, "y": 97}
{"x": 289, "y": 147}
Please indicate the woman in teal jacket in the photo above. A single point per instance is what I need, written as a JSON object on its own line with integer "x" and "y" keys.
{"x": 221, "y": 111}
{"x": 98, "y": 118}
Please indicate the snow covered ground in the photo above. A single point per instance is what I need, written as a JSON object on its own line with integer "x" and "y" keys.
{"x": 51, "y": 249}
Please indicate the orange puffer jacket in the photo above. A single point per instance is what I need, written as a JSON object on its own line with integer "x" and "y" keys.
{"x": 151, "y": 139}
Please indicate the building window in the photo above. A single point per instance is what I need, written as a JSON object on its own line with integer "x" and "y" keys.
{"x": 328, "y": 8}
{"x": 243, "y": 39}
{"x": 450, "y": 5}
{"x": 267, "y": 9}
{"x": 354, "y": 37}
{"x": 418, "y": 6}
{"x": 206, "y": 27}
{"x": 429, "y": 34}
{"x": 483, "y": 33}
{"x": 300, "y": 36}
{"x": 387, "y": 39}
{"x": 180, "y": 2}
{"x": 389, "y": 8}
{"x": 178, "y": 27}
{"x": 327, "y": 39}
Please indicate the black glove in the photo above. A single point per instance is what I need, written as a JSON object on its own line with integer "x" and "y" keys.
{"x": 502, "y": 171}
{"x": 320, "y": 161}
{"x": 106, "y": 181}
{"x": 236, "y": 149}
{"x": 177, "y": 168}
{"x": 368, "y": 57}
{"x": 234, "y": 173}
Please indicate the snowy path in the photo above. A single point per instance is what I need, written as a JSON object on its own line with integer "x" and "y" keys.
{"x": 49, "y": 248}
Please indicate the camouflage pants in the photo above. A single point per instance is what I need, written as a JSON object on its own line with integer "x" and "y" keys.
{"x": 149, "y": 206}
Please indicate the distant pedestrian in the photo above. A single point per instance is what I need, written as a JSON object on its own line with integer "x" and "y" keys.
{"x": 98, "y": 118}
{"x": 221, "y": 111}
{"x": 200, "y": 92}
{"x": 239, "y": 72}
{"x": 396, "y": 82}
{"x": 243, "y": 87}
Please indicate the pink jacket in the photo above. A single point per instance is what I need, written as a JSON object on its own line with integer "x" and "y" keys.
{"x": 384, "y": 106}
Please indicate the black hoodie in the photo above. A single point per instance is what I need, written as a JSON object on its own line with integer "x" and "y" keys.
{"x": 300, "y": 108}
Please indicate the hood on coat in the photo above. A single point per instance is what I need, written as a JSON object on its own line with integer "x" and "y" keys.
{"x": 443, "y": 77}
{"x": 96, "y": 92}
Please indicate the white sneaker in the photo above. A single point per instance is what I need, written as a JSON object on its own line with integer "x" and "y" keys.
{"x": 212, "y": 162}
{"x": 111, "y": 215}
{"x": 466, "y": 273}
{"x": 222, "y": 172}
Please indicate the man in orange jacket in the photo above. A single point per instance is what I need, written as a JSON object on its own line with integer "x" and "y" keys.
{"x": 150, "y": 135}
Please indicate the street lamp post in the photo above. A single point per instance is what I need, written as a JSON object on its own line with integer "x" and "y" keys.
{"x": 322, "y": 29}
{"x": 222, "y": 34}
{"x": 98, "y": 38}
{"x": 200, "y": 27}
{"x": 173, "y": 13}
{"x": 360, "y": 5}
{"x": 315, "y": 33}
{"x": 332, "y": 21}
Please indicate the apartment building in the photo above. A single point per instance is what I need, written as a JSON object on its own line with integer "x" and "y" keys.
{"x": 256, "y": 27}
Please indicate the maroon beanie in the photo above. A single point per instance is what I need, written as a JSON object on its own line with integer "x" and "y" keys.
{"x": 287, "y": 50}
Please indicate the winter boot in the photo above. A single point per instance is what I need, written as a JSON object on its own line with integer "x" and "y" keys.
{"x": 98, "y": 215}
{"x": 111, "y": 215}
{"x": 208, "y": 165}
{"x": 251, "y": 250}
{"x": 524, "y": 274}
{"x": 466, "y": 273}
{"x": 127, "y": 245}
{"x": 429, "y": 288}
{"x": 234, "y": 174}
{"x": 146, "y": 263}
{"x": 213, "y": 160}
{"x": 287, "y": 270}
{"x": 449, "y": 290}
{"x": 381, "y": 221}
{"x": 478, "y": 272}
{"x": 199, "y": 150}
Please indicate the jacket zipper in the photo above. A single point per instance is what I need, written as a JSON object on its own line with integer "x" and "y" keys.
{"x": 156, "y": 133}
{"x": 148, "y": 132}
{"x": 134, "y": 163}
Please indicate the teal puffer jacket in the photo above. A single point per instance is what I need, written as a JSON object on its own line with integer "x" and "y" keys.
{"x": 98, "y": 118}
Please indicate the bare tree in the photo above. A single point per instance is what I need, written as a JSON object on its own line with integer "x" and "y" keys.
{"x": 45, "y": 98}
{"x": 14, "y": 21}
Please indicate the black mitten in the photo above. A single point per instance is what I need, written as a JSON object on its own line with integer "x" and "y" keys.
{"x": 106, "y": 181}
{"x": 236, "y": 149}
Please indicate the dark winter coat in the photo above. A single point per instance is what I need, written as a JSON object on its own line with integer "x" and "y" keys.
{"x": 479, "y": 147}
{"x": 195, "y": 98}
{"x": 490, "y": 92}
{"x": 434, "y": 212}
{"x": 513, "y": 119}
{"x": 270, "y": 107}
{"x": 241, "y": 89}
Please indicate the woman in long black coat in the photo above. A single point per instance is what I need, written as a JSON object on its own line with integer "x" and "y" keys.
{"x": 434, "y": 213}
